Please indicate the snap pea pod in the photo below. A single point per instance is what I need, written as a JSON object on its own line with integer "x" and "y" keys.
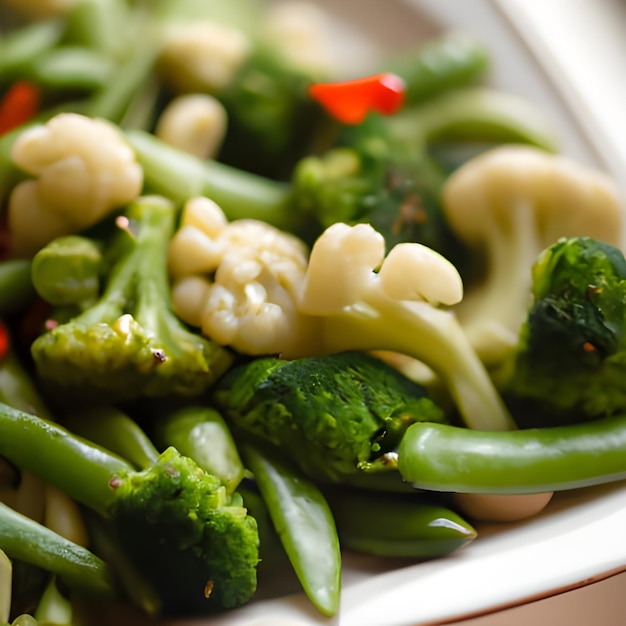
{"x": 201, "y": 434}
{"x": 536, "y": 460}
{"x": 397, "y": 526}
{"x": 476, "y": 114}
{"x": 21, "y": 47}
{"x": 71, "y": 68}
{"x": 451, "y": 61}
{"x": 24, "y": 539}
{"x": 304, "y": 523}
{"x": 114, "y": 430}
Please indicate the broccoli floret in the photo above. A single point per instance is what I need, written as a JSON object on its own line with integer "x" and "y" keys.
{"x": 184, "y": 535}
{"x": 571, "y": 356}
{"x": 333, "y": 415}
{"x": 129, "y": 343}
{"x": 373, "y": 175}
{"x": 199, "y": 529}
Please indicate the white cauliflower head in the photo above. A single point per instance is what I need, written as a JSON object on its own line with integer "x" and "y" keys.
{"x": 239, "y": 281}
{"x": 202, "y": 56}
{"x": 83, "y": 170}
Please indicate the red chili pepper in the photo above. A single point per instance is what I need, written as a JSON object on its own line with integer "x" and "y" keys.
{"x": 4, "y": 341}
{"x": 350, "y": 101}
{"x": 19, "y": 105}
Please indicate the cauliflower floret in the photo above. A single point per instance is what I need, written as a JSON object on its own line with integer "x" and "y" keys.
{"x": 202, "y": 56}
{"x": 239, "y": 281}
{"x": 84, "y": 170}
{"x": 303, "y": 31}
{"x": 195, "y": 123}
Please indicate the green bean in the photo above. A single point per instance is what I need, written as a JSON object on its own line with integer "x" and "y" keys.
{"x": 304, "y": 523}
{"x": 114, "y": 430}
{"x": 24, "y": 539}
{"x": 451, "y": 61}
{"x": 201, "y": 434}
{"x": 101, "y": 25}
{"x": 536, "y": 460}
{"x": 21, "y": 47}
{"x": 397, "y": 526}
{"x": 72, "y": 68}
{"x": 25, "y": 440}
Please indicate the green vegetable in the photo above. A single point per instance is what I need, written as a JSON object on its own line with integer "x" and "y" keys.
{"x": 442, "y": 457}
{"x": 439, "y": 65}
{"x": 193, "y": 431}
{"x": 129, "y": 343}
{"x": 304, "y": 523}
{"x": 413, "y": 526}
{"x": 24, "y": 539}
{"x": 180, "y": 176}
{"x": 201, "y": 433}
{"x": 334, "y": 416}
{"x": 67, "y": 271}
{"x": 571, "y": 357}
{"x": 23, "y": 46}
{"x": 114, "y": 430}
{"x": 171, "y": 519}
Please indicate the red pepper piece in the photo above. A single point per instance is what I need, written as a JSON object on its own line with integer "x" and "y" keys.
{"x": 19, "y": 105}
{"x": 350, "y": 101}
{"x": 4, "y": 341}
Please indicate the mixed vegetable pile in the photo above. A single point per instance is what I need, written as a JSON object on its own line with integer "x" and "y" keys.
{"x": 259, "y": 308}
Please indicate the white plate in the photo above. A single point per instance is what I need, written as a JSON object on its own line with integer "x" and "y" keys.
{"x": 580, "y": 536}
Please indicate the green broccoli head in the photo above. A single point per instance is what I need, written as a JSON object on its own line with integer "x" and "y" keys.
{"x": 571, "y": 357}
{"x": 375, "y": 175}
{"x": 193, "y": 542}
{"x": 128, "y": 343}
{"x": 333, "y": 415}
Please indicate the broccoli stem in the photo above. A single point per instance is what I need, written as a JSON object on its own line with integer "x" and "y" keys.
{"x": 430, "y": 335}
{"x": 24, "y": 539}
{"x": 179, "y": 176}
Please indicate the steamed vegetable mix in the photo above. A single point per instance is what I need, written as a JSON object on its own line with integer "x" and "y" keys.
{"x": 168, "y": 519}
{"x": 521, "y": 200}
{"x": 261, "y": 306}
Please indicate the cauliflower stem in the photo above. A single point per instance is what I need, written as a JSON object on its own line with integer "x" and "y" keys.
{"x": 365, "y": 300}
{"x": 129, "y": 343}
